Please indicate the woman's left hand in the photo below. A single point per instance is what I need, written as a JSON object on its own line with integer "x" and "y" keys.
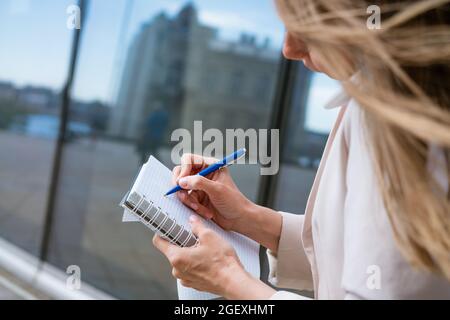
{"x": 212, "y": 265}
{"x": 205, "y": 267}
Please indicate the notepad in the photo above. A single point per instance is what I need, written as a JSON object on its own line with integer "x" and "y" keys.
{"x": 169, "y": 217}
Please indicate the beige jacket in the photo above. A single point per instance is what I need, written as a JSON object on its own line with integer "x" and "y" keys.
{"x": 343, "y": 246}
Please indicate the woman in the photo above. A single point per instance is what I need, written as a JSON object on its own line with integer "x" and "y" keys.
{"x": 377, "y": 223}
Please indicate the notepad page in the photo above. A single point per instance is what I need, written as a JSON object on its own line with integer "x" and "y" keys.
{"x": 153, "y": 181}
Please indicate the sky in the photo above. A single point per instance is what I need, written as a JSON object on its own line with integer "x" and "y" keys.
{"x": 35, "y": 42}
{"x": 323, "y": 89}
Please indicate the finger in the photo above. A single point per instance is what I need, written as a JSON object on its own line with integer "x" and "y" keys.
{"x": 205, "y": 212}
{"x": 190, "y": 163}
{"x": 201, "y": 196}
{"x": 212, "y": 188}
{"x": 198, "y": 195}
{"x": 190, "y": 201}
{"x": 176, "y": 273}
{"x": 197, "y": 226}
{"x": 186, "y": 283}
{"x": 175, "y": 174}
{"x": 163, "y": 245}
{"x": 193, "y": 203}
{"x": 183, "y": 196}
{"x": 193, "y": 195}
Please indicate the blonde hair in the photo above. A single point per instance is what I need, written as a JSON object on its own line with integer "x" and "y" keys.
{"x": 403, "y": 88}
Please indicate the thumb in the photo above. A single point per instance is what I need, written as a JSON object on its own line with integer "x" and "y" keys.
{"x": 196, "y": 182}
{"x": 197, "y": 226}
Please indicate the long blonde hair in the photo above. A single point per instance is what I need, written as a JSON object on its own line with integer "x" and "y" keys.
{"x": 403, "y": 87}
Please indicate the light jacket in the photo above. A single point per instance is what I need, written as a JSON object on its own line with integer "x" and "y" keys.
{"x": 343, "y": 246}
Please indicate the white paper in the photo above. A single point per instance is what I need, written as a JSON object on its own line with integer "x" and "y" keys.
{"x": 153, "y": 181}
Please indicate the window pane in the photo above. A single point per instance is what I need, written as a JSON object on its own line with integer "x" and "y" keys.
{"x": 308, "y": 129}
{"x": 31, "y": 78}
{"x": 147, "y": 68}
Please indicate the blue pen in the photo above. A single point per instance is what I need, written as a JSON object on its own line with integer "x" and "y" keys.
{"x": 225, "y": 162}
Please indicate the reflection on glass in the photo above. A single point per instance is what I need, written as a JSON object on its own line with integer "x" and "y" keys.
{"x": 30, "y": 82}
{"x": 171, "y": 65}
{"x": 308, "y": 132}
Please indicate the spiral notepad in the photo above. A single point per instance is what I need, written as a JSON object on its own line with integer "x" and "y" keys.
{"x": 159, "y": 221}
{"x": 169, "y": 217}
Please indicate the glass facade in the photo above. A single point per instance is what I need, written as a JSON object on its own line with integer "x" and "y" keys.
{"x": 144, "y": 69}
{"x": 307, "y": 132}
{"x": 31, "y": 78}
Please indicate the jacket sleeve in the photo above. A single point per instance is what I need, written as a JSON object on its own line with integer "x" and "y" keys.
{"x": 285, "y": 295}
{"x": 289, "y": 267}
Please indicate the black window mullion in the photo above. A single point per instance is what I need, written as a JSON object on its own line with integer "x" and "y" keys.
{"x": 64, "y": 117}
{"x": 278, "y": 120}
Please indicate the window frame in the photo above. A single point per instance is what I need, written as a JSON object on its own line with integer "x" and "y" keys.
{"x": 286, "y": 83}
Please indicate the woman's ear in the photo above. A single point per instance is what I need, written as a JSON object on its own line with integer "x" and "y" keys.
{"x": 294, "y": 48}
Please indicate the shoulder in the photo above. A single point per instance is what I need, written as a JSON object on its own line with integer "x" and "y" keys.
{"x": 373, "y": 265}
{"x": 353, "y": 122}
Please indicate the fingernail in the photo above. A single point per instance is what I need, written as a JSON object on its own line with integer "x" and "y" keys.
{"x": 194, "y": 206}
{"x": 193, "y": 218}
{"x": 183, "y": 182}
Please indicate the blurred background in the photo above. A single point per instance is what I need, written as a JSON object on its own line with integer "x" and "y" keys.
{"x": 80, "y": 110}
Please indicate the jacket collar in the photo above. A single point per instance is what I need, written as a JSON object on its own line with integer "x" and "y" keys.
{"x": 342, "y": 98}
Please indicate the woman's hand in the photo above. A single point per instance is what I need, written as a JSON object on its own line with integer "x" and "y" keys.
{"x": 215, "y": 197}
{"x": 218, "y": 198}
{"x": 212, "y": 266}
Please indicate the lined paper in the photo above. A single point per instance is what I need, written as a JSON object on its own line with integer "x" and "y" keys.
{"x": 153, "y": 181}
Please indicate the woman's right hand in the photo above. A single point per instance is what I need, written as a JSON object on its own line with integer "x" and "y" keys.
{"x": 213, "y": 197}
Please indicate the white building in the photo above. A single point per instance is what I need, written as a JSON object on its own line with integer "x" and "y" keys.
{"x": 181, "y": 65}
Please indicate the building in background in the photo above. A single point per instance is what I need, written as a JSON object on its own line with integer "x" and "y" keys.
{"x": 235, "y": 79}
{"x": 34, "y": 111}
{"x": 7, "y": 91}
{"x": 182, "y": 66}
{"x": 64, "y": 212}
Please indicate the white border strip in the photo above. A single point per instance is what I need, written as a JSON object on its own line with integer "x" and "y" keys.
{"x": 18, "y": 291}
{"x": 43, "y": 276}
